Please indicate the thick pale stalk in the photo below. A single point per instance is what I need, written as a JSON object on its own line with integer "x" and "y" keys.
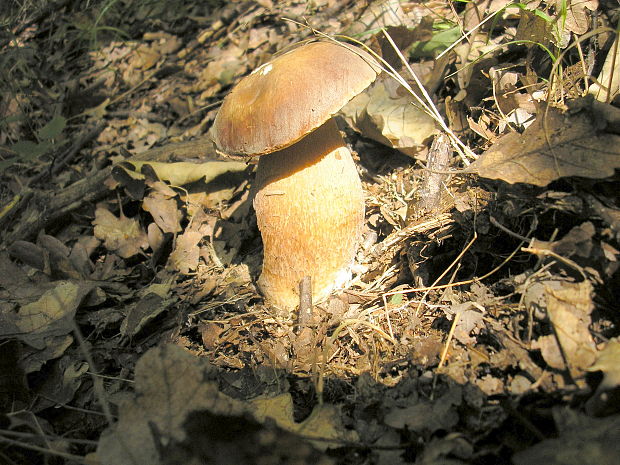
{"x": 310, "y": 211}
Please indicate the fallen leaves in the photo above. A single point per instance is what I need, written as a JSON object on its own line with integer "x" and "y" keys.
{"x": 172, "y": 390}
{"x": 558, "y": 144}
{"x": 45, "y": 324}
{"x": 194, "y": 189}
{"x": 568, "y": 307}
{"x": 182, "y": 173}
{"x": 391, "y": 119}
{"x": 161, "y": 203}
{"x": 578, "y": 15}
{"x": 186, "y": 253}
{"x": 153, "y": 301}
{"x": 469, "y": 320}
{"x": 323, "y": 428}
{"x": 119, "y": 234}
{"x": 48, "y": 137}
{"x": 604, "y": 401}
{"x": 608, "y": 361}
{"x": 566, "y": 303}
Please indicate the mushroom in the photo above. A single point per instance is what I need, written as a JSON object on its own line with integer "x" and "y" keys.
{"x": 308, "y": 199}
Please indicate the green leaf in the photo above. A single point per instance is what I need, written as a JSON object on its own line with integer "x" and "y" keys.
{"x": 4, "y": 164}
{"x": 440, "y": 41}
{"x": 53, "y": 129}
{"x": 28, "y": 150}
{"x": 537, "y": 12}
{"x": 396, "y": 299}
{"x": 13, "y": 118}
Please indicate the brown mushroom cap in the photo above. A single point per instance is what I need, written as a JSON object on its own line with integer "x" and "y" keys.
{"x": 285, "y": 99}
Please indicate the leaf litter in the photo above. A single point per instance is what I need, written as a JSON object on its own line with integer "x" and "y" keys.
{"x": 479, "y": 329}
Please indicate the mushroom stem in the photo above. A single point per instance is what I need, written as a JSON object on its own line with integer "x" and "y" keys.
{"x": 310, "y": 211}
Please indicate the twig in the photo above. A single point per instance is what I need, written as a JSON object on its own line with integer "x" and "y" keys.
{"x": 439, "y": 221}
{"x": 500, "y": 226}
{"x": 97, "y": 382}
{"x": 43, "y": 450}
{"x": 438, "y": 159}
{"x": 20, "y": 434}
{"x": 305, "y": 302}
{"x": 444, "y": 352}
{"x": 551, "y": 253}
{"x": 16, "y": 204}
{"x": 56, "y": 166}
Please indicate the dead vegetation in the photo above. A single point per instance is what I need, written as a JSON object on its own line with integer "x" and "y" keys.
{"x": 480, "y": 325}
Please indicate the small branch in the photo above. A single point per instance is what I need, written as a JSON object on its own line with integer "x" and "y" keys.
{"x": 503, "y": 228}
{"x": 43, "y": 450}
{"x": 551, "y": 253}
{"x": 438, "y": 160}
{"x": 305, "y": 302}
{"x": 69, "y": 155}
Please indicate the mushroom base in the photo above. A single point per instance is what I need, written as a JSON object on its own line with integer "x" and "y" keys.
{"x": 310, "y": 211}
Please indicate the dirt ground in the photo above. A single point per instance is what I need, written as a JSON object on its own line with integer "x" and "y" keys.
{"x": 481, "y": 322}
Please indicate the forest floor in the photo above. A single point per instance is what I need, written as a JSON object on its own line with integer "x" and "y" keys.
{"x": 481, "y": 324}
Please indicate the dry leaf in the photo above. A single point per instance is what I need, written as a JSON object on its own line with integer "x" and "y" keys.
{"x": 121, "y": 235}
{"x": 33, "y": 359}
{"x": 258, "y": 36}
{"x": 470, "y": 321}
{"x": 578, "y": 15}
{"x": 186, "y": 253}
{"x": 221, "y": 70}
{"x": 554, "y": 146}
{"x": 28, "y": 253}
{"x": 164, "y": 43}
{"x": 174, "y": 392}
{"x": 490, "y": 385}
{"x": 324, "y": 423}
{"x": 568, "y": 306}
{"x": 211, "y": 332}
{"x": 577, "y": 242}
{"x": 143, "y": 134}
{"x": 155, "y": 237}
{"x": 144, "y": 311}
{"x": 64, "y": 378}
{"x": 379, "y": 15}
{"x": 604, "y": 401}
{"x": 443, "y": 451}
{"x": 164, "y": 210}
{"x": 533, "y": 29}
{"x": 51, "y": 316}
{"x": 181, "y": 173}
{"x": 169, "y": 383}
{"x": 608, "y": 361}
{"x": 144, "y": 57}
{"x": 392, "y": 121}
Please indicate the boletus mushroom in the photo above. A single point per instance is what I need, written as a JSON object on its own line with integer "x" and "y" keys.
{"x": 308, "y": 196}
